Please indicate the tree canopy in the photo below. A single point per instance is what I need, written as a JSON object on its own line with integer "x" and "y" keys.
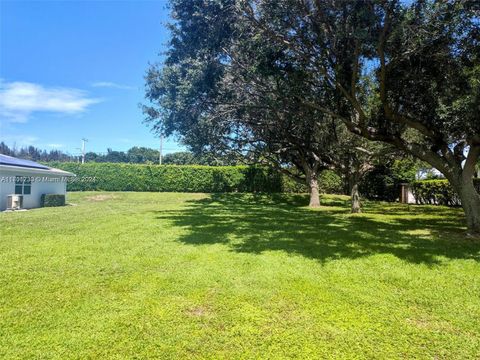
{"x": 404, "y": 74}
{"x": 285, "y": 74}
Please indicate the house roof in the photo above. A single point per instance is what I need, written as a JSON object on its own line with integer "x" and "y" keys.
{"x": 10, "y": 160}
{"x": 12, "y": 163}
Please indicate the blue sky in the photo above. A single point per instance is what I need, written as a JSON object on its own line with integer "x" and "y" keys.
{"x": 73, "y": 69}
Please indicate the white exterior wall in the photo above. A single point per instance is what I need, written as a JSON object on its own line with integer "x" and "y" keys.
{"x": 411, "y": 198}
{"x": 58, "y": 185}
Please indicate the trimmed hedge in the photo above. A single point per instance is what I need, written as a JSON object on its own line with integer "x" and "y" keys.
{"x": 437, "y": 192}
{"x": 50, "y": 200}
{"x": 138, "y": 177}
{"x": 186, "y": 178}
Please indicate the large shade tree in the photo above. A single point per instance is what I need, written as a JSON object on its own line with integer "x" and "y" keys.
{"x": 418, "y": 62}
{"x": 204, "y": 93}
{"x": 404, "y": 74}
{"x": 224, "y": 89}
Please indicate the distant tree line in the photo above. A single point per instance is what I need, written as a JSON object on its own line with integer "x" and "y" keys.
{"x": 144, "y": 155}
{"x": 134, "y": 155}
{"x": 35, "y": 154}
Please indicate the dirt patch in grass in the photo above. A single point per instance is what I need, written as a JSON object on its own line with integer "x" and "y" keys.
{"x": 100, "y": 197}
{"x": 431, "y": 324}
{"x": 198, "y": 311}
{"x": 420, "y": 323}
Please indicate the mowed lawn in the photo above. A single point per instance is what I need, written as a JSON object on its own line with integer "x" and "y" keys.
{"x": 171, "y": 276}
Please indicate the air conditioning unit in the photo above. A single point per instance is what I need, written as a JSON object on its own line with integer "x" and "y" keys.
{"x": 14, "y": 202}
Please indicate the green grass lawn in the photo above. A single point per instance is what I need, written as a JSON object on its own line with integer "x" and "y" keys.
{"x": 163, "y": 275}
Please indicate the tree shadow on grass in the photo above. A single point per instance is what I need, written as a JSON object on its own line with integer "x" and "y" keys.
{"x": 257, "y": 223}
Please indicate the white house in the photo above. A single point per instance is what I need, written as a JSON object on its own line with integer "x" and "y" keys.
{"x": 30, "y": 180}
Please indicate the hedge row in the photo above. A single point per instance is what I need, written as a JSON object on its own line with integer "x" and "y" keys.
{"x": 437, "y": 192}
{"x": 184, "y": 178}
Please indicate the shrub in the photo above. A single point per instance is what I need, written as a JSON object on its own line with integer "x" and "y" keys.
{"x": 330, "y": 183}
{"x": 383, "y": 181}
{"x": 379, "y": 184}
{"x": 49, "y": 200}
{"x": 437, "y": 192}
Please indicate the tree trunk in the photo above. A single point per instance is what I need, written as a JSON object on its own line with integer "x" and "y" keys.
{"x": 314, "y": 193}
{"x": 470, "y": 203}
{"x": 356, "y": 206}
{"x": 349, "y": 182}
{"x": 460, "y": 178}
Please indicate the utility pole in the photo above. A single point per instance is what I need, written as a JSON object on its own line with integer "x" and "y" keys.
{"x": 160, "y": 152}
{"x": 83, "y": 149}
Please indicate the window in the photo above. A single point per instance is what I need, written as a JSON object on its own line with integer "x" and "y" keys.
{"x": 23, "y": 185}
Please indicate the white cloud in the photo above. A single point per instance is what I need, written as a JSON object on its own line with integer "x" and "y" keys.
{"x": 55, "y": 146}
{"x": 109, "y": 84}
{"x": 18, "y": 100}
